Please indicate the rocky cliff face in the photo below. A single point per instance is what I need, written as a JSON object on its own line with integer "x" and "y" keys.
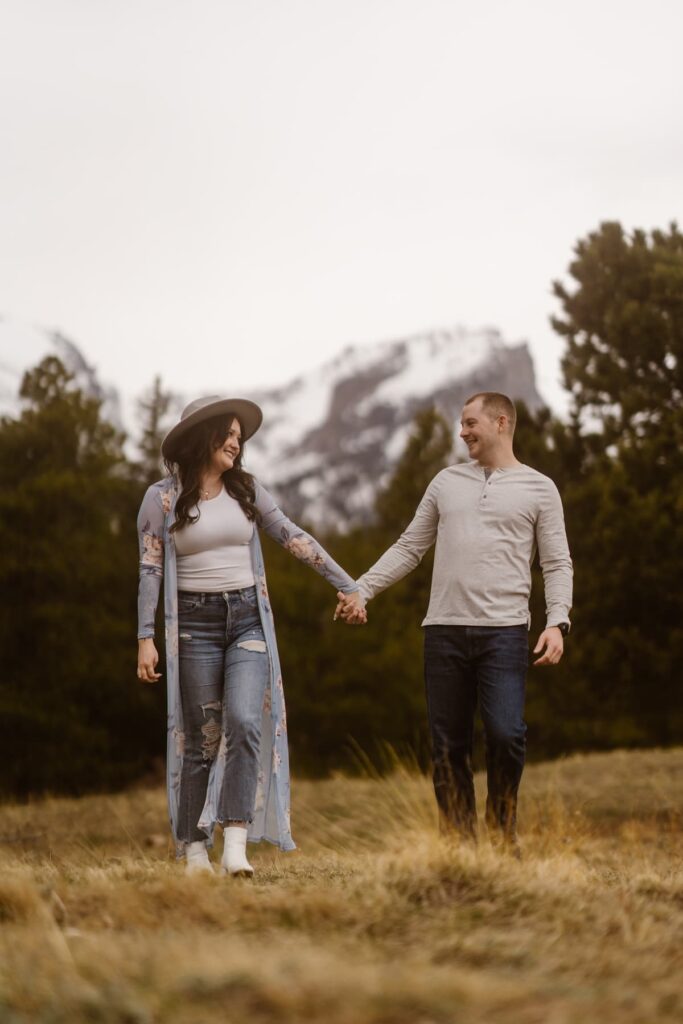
{"x": 330, "y": 438}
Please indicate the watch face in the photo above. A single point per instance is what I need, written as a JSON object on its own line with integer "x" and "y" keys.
{"x": 563, "y": 628}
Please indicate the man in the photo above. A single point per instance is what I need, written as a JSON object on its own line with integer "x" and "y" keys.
{"x": 488, "y": 518}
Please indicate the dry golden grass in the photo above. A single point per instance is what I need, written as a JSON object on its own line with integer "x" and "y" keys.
{"x": 375, "y": 920}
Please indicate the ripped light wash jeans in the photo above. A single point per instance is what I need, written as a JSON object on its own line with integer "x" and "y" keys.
{"x": 224, "y": 672}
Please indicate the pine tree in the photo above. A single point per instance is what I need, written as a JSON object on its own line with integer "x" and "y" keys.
{"x": 73, "y": 715}
{"x": 428, "y": 450}
{"x": 621, "y": 485}
{"x": 623, "y": 322}
{"x": 153, "y": 409}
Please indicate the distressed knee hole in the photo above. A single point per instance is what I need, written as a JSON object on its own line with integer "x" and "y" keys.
{"x": 211, "y": 730}
{"x": 253, "y": 645}
{"x": 213, "y": 705}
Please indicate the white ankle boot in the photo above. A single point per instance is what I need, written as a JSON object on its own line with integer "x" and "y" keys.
{"x": 197, "y": 859}
{"x": 234, "y": 860}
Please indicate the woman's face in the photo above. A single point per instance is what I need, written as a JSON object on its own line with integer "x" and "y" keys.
{"x": 223, "y": 457}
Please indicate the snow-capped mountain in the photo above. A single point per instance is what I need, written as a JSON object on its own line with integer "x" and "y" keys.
{"x": 22, "y": 347}
{"x": 331, "y": 437}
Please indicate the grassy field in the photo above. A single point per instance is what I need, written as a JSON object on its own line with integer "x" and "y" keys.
{"x": 374, "y": 920}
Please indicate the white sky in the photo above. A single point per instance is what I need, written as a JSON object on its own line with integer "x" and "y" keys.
{"x": 228, "y": 192}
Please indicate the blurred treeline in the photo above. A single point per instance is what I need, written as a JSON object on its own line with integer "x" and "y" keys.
{"x": 73, "y": 716}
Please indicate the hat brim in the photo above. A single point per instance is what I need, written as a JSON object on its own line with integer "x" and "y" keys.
{"x": 248, "y": 413}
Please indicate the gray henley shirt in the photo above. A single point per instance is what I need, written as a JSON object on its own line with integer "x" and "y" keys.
{"x": 487, "y": 532}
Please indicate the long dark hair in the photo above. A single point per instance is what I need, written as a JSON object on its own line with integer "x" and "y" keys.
{"x": 192, "y": 455}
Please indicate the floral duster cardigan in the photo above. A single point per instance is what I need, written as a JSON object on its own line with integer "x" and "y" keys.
{"x": 157, "y": 561}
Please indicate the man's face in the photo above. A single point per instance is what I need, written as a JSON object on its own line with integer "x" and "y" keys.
{"x": 478, "y": 430}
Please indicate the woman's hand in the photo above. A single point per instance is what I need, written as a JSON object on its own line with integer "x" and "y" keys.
{"x": 148, "y": 658}
{"x": 351, "y": 608}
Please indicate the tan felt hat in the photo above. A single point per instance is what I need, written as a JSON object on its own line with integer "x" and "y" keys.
{"x": 248, "y": 413}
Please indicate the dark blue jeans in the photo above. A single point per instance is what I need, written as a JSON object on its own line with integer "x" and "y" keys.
{"x": 466, "y": 665}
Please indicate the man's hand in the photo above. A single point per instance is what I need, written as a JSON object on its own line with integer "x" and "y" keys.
{"x": 148, "y": 657}
{"x": 351, "y": 608}
{"x": 551, "y": 639}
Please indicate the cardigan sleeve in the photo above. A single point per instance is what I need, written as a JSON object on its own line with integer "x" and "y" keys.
{"x": 151, "y": 559}
{"x": 275, "y": 523}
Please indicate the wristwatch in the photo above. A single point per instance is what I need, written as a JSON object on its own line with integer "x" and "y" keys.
{"x": 563, "y": 627}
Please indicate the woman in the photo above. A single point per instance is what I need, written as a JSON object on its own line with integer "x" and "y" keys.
{"x": 227, "y": 730}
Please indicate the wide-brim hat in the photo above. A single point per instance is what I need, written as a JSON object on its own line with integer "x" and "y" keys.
{"x": 247, "y": 412}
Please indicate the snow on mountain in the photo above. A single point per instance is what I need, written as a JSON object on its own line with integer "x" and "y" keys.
{"x": 22, "y": 347}
{"x": 426, "y": 361}
{"x": 331, "y": 437}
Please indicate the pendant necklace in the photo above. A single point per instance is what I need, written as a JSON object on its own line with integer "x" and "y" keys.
{"x": 206, "y": 495}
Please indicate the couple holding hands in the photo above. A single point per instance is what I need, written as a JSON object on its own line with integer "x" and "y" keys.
{"x": 198, "y": 527}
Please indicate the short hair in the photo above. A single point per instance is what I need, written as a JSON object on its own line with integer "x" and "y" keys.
{"x": 496, "y": 404}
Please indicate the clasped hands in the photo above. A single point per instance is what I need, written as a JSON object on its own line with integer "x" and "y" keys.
{"x": 351, "y": 608}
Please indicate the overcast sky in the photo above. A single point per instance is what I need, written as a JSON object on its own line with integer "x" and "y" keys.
{"x": 227, "y": 192}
